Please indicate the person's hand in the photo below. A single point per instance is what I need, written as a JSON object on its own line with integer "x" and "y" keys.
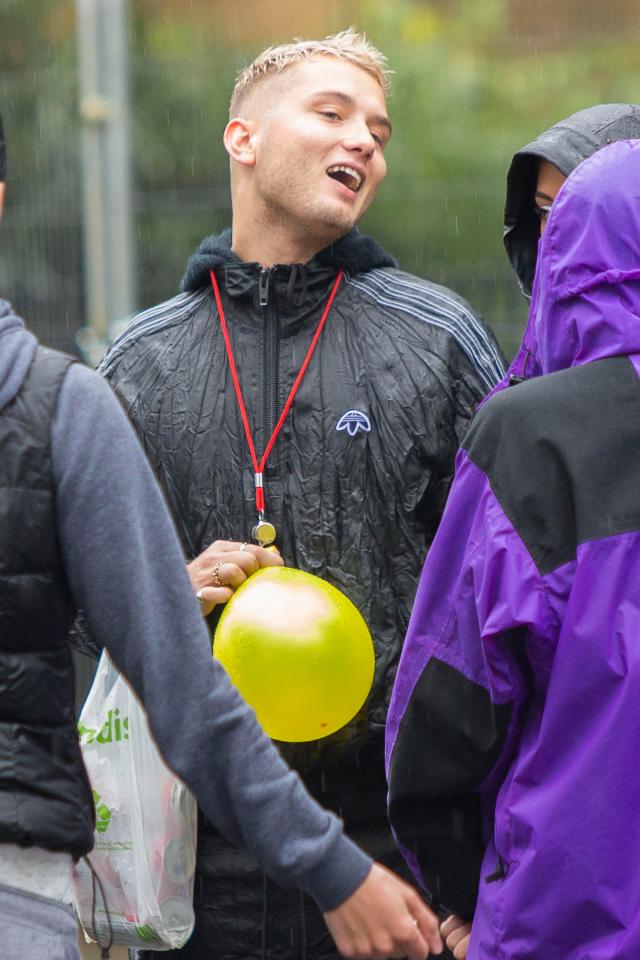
{"x": 456, "y": 934}
{"x": 384, "y": 918}
{"x": 223, "y": 566}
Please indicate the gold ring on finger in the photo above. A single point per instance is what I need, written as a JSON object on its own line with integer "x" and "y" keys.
{"x": 215, "y": 575}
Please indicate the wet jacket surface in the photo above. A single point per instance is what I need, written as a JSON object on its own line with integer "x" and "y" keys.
{"x": 115, "y": 550}
{"x": 513, "y": 728}
{"x": 408, "y": 361}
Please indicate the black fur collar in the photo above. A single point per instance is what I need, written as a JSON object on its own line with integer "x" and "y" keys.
{"x": 355, "y": 252}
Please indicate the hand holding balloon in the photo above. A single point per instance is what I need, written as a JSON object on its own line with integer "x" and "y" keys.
{"x": 224, "y": 566}
{"x": 298, "y": 651}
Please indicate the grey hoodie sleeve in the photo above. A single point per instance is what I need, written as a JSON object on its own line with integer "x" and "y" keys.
{"x": 127, "y": 572}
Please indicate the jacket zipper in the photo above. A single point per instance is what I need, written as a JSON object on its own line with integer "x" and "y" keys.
{"x": 514, "y": 378}
{"x": 270, "y": 354}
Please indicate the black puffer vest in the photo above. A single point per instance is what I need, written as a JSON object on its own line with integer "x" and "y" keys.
{"x": 45, "y": 798}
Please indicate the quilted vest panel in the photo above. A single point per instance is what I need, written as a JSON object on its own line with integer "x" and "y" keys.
{"x": 45, "y": 799}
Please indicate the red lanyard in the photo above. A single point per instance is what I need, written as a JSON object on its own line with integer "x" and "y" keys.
{"x": 258, "y": 467}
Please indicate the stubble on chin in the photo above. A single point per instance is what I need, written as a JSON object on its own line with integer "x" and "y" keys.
{"x": 319, "y": 223}
{"x": 335, "y": 222}
{"x": 287, "y": 206}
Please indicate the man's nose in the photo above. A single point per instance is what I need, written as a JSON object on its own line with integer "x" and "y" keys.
{"x": 360, "y": 139}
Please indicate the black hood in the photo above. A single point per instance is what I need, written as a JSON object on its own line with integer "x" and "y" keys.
{"x": 565, "y": 145}
{"x": 354, "y": 252}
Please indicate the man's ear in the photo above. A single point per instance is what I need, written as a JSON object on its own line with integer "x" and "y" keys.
{"x": 239, "y": 141}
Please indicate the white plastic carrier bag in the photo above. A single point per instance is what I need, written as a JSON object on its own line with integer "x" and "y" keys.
{"x": 145, "y": 839}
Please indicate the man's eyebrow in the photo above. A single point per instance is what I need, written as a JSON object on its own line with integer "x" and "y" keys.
{"x": 350, "y": 101}
{"x": 543, "y": 196}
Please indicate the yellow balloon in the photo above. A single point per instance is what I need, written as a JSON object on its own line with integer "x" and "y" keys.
{"x": 298, "y": 651}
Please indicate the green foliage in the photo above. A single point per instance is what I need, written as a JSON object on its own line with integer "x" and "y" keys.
{"x": 466, "y": 95}
{"x": 39, "y": 235}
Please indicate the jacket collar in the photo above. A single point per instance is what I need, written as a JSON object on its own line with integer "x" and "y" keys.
{"x": 354, "y": 252}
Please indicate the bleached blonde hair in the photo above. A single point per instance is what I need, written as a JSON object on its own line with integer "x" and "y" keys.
{"x": 347, "y": 45}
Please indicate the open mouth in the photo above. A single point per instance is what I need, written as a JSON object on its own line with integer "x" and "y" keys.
{"x": 348, "y": 176}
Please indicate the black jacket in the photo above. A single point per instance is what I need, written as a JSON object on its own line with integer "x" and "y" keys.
{"x": 45, "y": 799}
{"x": 358, "y": 508}
{"x": 565, "y": 145}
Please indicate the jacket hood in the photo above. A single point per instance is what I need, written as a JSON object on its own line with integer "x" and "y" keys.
{"x": 17, "y": 347}
{"x": 586, "y": 296}
{"x": 354, "y": 252}
{"x": 565, "y": 145}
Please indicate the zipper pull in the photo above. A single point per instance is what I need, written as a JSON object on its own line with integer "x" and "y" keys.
{"x": 499, "y": 873}
{"x": 263, "y": 287}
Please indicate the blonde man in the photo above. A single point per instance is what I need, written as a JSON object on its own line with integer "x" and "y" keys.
{"x": 356, "y": 479}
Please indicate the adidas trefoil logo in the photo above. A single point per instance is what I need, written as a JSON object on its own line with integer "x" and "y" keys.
{"x": 352, "y": 421}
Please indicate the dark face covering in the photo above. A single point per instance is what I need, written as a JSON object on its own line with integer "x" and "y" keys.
{"x": 565, "y": 145}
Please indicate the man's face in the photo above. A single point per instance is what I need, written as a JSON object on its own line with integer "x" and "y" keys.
{"x": 319, "y": 146}
{"x": 547, "y": 187}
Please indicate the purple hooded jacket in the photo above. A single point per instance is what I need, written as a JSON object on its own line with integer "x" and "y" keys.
{"x": 513, "y": 735}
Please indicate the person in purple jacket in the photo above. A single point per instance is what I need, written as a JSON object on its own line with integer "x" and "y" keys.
{"x": 513, "y": 730}
{"x": 536, "y": 174}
